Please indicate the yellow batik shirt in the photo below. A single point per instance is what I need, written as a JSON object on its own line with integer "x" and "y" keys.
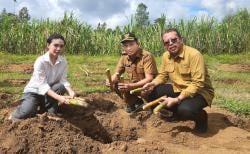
{"x": 187, "y": 73}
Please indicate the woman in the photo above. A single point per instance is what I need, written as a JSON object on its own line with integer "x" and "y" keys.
{"x": 47, "y": 84}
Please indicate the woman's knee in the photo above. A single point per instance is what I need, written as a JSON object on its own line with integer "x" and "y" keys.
{"x": 28, "y": 107}
{"x": 25, "y": 110}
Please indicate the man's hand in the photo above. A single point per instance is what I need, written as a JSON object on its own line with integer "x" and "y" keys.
{"x": 170, "y": 102}
{"x": 148, "y": 88}
{"x": 114, "y": 79}
{"x": 124, "y": 87}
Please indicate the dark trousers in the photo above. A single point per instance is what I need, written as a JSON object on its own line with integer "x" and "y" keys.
{"x": 132, "y": 99}
{"x": 189, "y": 108}
{"x": 31, "y": 102}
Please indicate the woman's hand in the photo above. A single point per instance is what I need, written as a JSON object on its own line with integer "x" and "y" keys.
{"x": 62, "y": 100}
{"x": 72, "y": 94}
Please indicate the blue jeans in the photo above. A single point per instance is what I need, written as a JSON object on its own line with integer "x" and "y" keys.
{"x": 31, "y": 102}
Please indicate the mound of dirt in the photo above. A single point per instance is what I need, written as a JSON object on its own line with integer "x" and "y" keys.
{"x": 23, "y": 68}
{"x": 4, "y": 96}
{"x": 235, "y": 67}
{"x": 16, "y": 82}
{"x": 104, "y": 127}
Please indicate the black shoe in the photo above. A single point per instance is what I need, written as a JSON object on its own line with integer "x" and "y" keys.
{"x": 201, "y": 123}
{"x": 130, "y": 108}
{"x": 134, "y": 108}
{"x": 138, "y": 107}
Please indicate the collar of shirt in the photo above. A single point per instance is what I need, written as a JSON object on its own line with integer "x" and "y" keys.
{"x": 138, "y": 55}
{"x": 180, "y": 55}
{"x": 47, "y": 58}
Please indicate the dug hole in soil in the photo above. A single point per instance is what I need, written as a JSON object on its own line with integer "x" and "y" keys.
{"x": 104, "y": 127}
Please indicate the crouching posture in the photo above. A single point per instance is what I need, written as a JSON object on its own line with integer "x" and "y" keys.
{"x": 188, "y": 89}
{"x": 140, "y": 67}
{"x": 48, "y": 82}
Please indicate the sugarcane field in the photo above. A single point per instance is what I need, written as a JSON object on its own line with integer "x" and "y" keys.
{"x": 175, "y": 84}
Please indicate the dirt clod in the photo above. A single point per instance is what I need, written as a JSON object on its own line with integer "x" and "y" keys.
{"x": 104, "y": 127}
{"x": 22, "y": 68}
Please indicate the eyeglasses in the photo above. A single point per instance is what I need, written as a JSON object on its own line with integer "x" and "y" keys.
{"x": 59, "y": 45}
{"x": 171, "y": 41}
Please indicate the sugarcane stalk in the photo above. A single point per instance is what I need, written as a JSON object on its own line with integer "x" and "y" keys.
{"x": 148, "y": 105}
{"x": 158, "y": 108}
{"x": 77, "y": 101}
{"x": 136, "y": 90}
{"x": 109, "y": 78}
{"x": 85, "y": 71}
{"x": 144, "y": 100}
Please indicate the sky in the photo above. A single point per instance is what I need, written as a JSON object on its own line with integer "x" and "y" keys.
{"x": 118, "y": 12}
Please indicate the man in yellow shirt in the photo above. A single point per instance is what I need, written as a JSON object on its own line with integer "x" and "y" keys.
{"x": 188, "y": 89}
{"x": 140, "y": 67}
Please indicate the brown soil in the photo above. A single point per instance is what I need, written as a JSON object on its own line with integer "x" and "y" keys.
{"x": 4, "y": 97}
{"x": 104, "y": 127}
{"x": 24, "y": 68}
{"x": 235, "y": 67}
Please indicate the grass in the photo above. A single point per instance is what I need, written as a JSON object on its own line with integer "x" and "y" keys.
{"x": 87, "y": 74}
{"x": 8, "y": 58}
{"x": 232, "y": 88}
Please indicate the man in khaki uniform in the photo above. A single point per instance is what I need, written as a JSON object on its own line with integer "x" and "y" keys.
{"x": 190, "y": 89}
{"x": 140, "y": 67}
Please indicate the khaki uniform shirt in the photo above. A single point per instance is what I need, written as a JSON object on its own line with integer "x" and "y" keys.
{"x": 144, "y": 63}
{"x": 187, "y": 73}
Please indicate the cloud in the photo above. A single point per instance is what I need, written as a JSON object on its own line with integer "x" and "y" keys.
{"x": 118, "y": 12}
{"x": 220, "y": 8}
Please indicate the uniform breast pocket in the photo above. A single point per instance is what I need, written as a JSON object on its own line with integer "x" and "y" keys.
{"x": 140, "y": 70}
{"x": 140, "y": 73}
{"x": 185, "y": 72}
{"x": 129, "y": 71}
{"x": 169, "y": 68}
